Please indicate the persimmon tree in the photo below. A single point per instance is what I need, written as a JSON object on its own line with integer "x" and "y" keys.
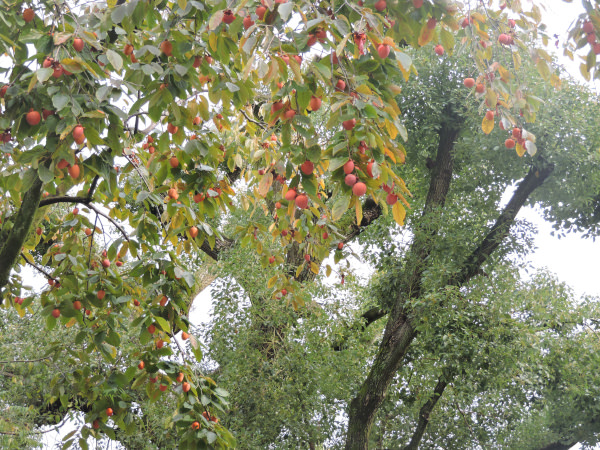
{"x": 155, "y": 121}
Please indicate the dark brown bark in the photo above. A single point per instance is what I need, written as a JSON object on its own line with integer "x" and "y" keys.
{"x": 400, "y": 331}
{"x": 11, "y": 248}
{"x": 220, "y": 245}
{"x": 425, "y": 412}
{"x": 534, "y": 179}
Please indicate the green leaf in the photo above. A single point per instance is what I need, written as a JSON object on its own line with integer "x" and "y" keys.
{"x": 44, "y": 173}
{"x": 115, "y": 59}
{"x": 341, "y": 206}
{"x": 60, "y": 101}
{"x": 163, "y": 324}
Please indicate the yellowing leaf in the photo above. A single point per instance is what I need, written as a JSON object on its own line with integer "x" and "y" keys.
{"x": 314, "y": 267}
{"x": 399, "y": 213}
{"x": 426, "y": 35}
{"x": 520, "y": 150}
{"x": 487, "y": 125}
{"x": 72, "y": 321}
{"x": 265, "y": 184}
{"x": 391, "y": 129}
{"x": 272, "y": 281}
{"x": 359, "y": 214}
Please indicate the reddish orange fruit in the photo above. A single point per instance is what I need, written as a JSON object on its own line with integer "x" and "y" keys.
{"x": 509, "y": 143}
{"x": 128, "y": 49}
{"x": 307, "y": 167}
{"x": 359, "y": 189}
{"x": 349, "y": 124}
{"x": 38, "y": 231}
{"x": 74, "y": 171}
{"x": 151, "y": 329}
{"x": 33, "y": 117}
{"x": 469, "y": 82}
{"x": 193, "y": 232}
{"x": 77, "y": 305}
{"x": 141, "y": 365}
{"x": 173, "y": 193}
{"x": 315, "y": 103}
{"x": 349, "y": 167}
{"x": 383, "y": 50}
{"x": 439, "y": 50}
{"x": 196, "y": 426}
{"x": 109, "y": 412}
{"x": 260, "y": 12}
{"x": 78, "y": 44}
{"x": 489, "y": 115}
{"x": 100, "y": 294}
{"x": 166, "y": 47}
{"x": 248, "y": 22}
{"x": 302, "y": 201}
{"x": 56, "y": 313}
{"x": 184, "y": 336}
{"x": 28, "y": 15}
{"x": 78, "y": 134}
{"x": 174, "y": 162}
{"x": 290, "y": 195}
{"x": 180, "y": 377}
{"x": 186, "y": 387}
{"x": 380, "y": 5}
{"x": 172, "y": 128}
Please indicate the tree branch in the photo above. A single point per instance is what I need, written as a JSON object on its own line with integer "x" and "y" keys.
{"x": 110, "y": 219}
{"x": 425, "y": 412}
{"x": 36, "y": 267}
{"x": 67, "y": 199}
{"x": 499, "y": 231}
{"x": 11, "y": 248}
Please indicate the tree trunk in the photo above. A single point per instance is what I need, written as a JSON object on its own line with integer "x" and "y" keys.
{"x": 11, "y": 248}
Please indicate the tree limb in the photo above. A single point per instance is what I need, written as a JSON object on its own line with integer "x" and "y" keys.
{"x": 114, "y": 222}
{"x": 425, "y": 412}
{"x": 11, "y": 248}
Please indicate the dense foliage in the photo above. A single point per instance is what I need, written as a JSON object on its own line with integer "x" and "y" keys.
{"x": 151, "y": 146}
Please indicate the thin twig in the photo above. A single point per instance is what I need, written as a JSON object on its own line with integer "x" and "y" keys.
{"x": 25, "y": 360}
{"x": 263, "y": 126}
{"x": 110, "y": 219}
{"x": 36, "y": 267}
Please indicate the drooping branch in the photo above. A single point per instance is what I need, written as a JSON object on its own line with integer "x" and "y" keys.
{"x": 36, "y": 267}
{"x": 11, "y": 248}
{"x": 425, "y": 412}
{"x": 110, "y": 219}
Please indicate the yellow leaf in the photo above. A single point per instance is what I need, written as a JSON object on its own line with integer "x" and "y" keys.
{"x": 487, "y": 126}
{"x": 212, "y": 41}
{"x": 364, "y": 89}
{"x": 265, "y": 184}
{"x": 299, "y": 270}
{"x": 72, "y": 321}
{"x": 520, "y": 150}
{"x": 389, "y": 153}
{"x": 272, "y": 281}
{"x": 328, "y": 270}
{"x": 391, "y": 129}
{"x": 399, "y": 213}
{"x": 426, "y": 35}
{"x": 314, "y": 267}
{"x": 359, "y": 214}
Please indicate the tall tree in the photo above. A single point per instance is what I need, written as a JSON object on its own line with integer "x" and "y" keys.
{"x": 161, "y": 121}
